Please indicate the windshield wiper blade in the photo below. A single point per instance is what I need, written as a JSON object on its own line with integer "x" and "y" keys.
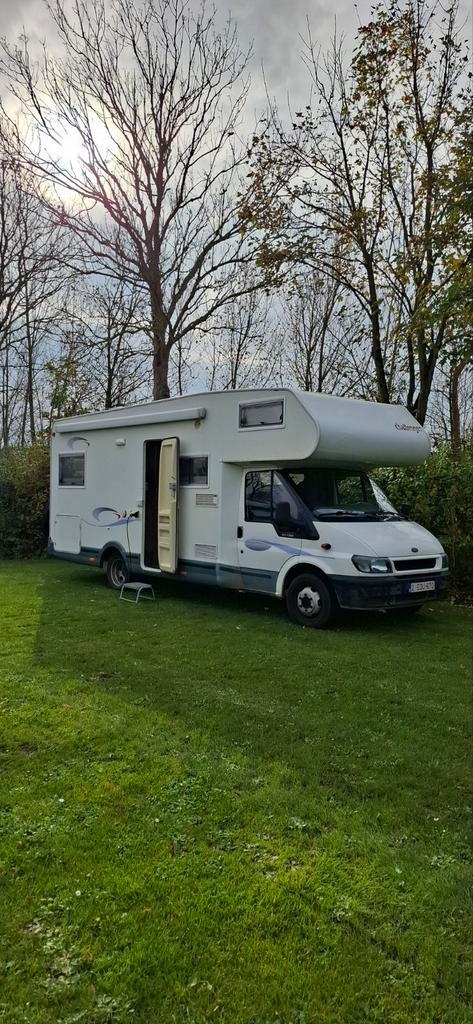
{"x": 386, "y": 516}
{"x": 323, "y": 512}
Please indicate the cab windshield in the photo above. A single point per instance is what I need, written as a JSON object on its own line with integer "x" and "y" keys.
{"x": 333, "y": 494}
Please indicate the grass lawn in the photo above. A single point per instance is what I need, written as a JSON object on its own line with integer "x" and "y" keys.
{"x": 208, "y": 814}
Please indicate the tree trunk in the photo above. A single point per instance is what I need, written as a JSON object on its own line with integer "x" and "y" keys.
{"x": 30, "y": 371}
{"x": 109, "y": 385}
{"x": 160, "y": 348}
{"x": 160, "y": 369}
{"x": 454, "y": 403}
{"x": 4, "y": 404}
{"x": 427, "y": 362}
{"x": 376, "y": 346}
{"x": 108, "y": 394}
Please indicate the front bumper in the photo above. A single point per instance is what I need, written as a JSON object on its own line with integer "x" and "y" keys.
{"x": 394, "y": 592}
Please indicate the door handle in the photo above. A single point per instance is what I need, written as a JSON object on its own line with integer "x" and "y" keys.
{"x": 240, "y": 532}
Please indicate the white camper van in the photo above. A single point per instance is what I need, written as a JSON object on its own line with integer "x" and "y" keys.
{"x": 268, "y": 491}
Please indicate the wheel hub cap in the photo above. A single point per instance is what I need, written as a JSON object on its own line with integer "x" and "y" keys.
{"x": 308, "y": 602}
{"x": 118, "y": 575}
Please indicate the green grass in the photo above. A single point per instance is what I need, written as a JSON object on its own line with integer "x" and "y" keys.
{"x": 208, "y": 814}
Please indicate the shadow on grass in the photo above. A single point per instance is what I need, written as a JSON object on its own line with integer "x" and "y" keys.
{"x": 236, "y": 602}
{"x": 230, "y": 664}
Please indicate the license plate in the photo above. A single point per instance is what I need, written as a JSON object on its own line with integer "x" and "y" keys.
{"x": 417, "y": 588}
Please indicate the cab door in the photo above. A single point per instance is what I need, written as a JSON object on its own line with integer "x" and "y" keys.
{"x": 266, "y": 541}
{"x": 168, "y": 495}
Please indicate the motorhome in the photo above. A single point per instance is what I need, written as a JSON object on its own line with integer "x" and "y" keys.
{"x": 263, "y": 490}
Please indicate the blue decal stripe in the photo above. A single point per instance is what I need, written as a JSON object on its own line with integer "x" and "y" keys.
{"x": 256, "y": 544}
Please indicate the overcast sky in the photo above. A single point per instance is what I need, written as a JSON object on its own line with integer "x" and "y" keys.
{"x": 273, "y": 26}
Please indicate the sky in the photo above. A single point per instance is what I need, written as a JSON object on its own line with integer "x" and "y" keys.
{"x": 273, "y": 27}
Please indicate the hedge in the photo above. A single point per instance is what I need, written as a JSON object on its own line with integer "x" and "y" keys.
{"x": 438, "y": 494}
{"x": 24, "y": 493}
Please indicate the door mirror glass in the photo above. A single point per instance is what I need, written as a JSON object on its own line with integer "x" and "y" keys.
{"x": 282, "y": 515}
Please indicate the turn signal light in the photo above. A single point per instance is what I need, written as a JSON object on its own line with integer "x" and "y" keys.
{"x": 326, "y": 547}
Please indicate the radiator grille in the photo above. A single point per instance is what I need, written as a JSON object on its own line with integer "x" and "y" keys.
{"x": 206, "y": 551}
{"x": 407, "y": 564}
{"x": 206, "y": 500}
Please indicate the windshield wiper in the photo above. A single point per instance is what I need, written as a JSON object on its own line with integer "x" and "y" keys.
{"x": 387, "y": 516}
{"x": 322, "y": 513}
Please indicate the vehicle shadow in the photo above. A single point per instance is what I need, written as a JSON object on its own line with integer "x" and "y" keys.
{"x": 191, "y": 595}
{"x": 230, "y": 668}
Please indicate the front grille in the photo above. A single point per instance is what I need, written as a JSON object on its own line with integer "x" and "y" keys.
{"x": 407, "y": 564}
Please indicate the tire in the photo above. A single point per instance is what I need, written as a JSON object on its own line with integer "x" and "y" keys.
{"x": 310, "y": 602}
{"x": 117, "y": 571}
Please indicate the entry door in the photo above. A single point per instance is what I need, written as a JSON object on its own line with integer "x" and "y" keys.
{"x": 262, "y": 550}
{"x": 168, "y": 493}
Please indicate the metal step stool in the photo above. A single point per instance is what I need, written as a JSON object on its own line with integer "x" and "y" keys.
{"x": 138, "y": 589}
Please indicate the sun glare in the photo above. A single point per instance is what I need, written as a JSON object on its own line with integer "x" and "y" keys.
{"x": 69, "y": 149}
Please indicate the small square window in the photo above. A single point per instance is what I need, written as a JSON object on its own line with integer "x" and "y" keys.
{"x": 262, "y": 414}
{"x": 194, "y": 471}
{"x": 72, "y": 470}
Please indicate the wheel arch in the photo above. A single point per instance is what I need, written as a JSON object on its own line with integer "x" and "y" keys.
{"x": 112, "y": 547}
{"x": 287, "y": 575}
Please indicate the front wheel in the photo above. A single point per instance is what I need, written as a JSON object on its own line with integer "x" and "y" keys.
{"x": 117, "y": 571}
{"x": 310, "y": 602}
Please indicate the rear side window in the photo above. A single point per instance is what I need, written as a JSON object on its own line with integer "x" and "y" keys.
{"x": 72, "y": 470}
{"x": 194, "y": 471}
{"x": 261, "y": 414}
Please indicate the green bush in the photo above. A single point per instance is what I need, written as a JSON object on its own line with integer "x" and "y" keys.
{"x": 439, "y": 495}
{"x": 24, "y": 493}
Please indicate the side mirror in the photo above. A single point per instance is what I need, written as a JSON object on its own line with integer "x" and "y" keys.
{"x": 282, "y": 515}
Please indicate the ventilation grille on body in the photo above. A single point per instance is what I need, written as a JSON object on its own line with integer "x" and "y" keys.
{"x": 206, "y": 500}
{"x": 409, "y": 564}
{"x": 205, "y": 551}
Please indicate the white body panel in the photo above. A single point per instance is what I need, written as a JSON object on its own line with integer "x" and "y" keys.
{"x": 108, "y": 510}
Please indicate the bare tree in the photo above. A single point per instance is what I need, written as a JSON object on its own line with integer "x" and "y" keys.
{"x": 34, "y": 254}
{"x": 324, "y": 344}
{"x": 69, "y": 390}
{"x": 451, "y": 411}
{"x": 243, "y": 347}
{"x": 111, "y": 346}
{"x": 355, "y": 188}
{"x": 149, "y": 97}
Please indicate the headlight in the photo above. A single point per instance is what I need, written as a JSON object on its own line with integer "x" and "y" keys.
{"x": 444, "y": 561}
{"x": 377, "y": 565}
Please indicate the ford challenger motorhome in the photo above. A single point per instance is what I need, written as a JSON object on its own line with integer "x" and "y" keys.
{"x": 268, "y": 491}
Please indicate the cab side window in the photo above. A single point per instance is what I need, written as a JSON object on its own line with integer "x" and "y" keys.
{"x": 258, "y": 500}
{"x": 268, "y": 499}
{"x": 281, "y": 493}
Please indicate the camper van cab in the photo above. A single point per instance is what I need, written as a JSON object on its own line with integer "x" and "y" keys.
{"x": 269, "y": 491}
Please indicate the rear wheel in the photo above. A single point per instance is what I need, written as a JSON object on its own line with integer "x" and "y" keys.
{"x": 310, "y": 602}
{"x": 117, "y": 571}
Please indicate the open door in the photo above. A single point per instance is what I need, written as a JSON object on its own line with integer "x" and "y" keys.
{"x": 167, "y": 504}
